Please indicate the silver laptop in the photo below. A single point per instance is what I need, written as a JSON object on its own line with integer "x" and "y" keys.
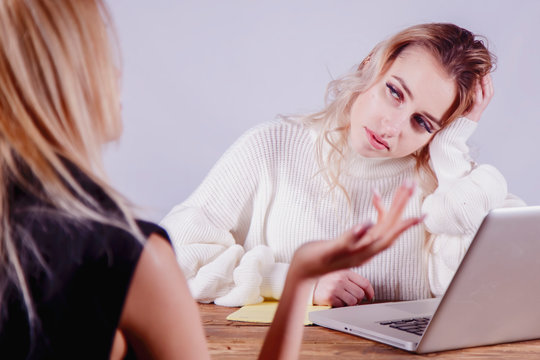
{"x": 493, "y": 298}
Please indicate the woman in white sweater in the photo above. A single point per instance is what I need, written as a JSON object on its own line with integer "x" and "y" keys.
{"x": 405, "y": 113}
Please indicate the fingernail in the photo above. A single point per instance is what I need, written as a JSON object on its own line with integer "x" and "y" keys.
{"x": 375, "y": 192}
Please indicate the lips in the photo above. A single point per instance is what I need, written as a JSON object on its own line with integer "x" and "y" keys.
{"x": 376, "y": 141}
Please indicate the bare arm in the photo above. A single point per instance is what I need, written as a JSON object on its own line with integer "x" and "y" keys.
{"x": 314, "y": 259}
{"x": 160, "y": 319}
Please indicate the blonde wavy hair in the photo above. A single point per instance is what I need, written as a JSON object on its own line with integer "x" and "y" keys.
{"x": 59, "y": 103}
{"x": 463, "y": 56}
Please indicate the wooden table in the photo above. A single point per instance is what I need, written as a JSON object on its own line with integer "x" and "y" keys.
{"x": 241, "y": 340}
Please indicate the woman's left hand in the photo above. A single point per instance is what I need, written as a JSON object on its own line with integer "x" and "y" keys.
{"x": 482, "y": 96}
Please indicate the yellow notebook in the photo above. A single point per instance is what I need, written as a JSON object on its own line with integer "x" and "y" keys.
{"x": 264, "y": 312}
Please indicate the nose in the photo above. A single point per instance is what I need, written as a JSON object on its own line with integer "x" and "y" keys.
{"x": 392, "y": 126}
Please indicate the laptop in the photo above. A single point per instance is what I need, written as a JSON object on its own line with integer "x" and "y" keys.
{"x": 494, "y": 296}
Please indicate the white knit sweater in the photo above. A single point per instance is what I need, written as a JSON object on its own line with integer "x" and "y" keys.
{"x": 236, "y": 234}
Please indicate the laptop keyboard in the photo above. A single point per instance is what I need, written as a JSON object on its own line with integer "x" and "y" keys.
{"x": 413, "y": 326}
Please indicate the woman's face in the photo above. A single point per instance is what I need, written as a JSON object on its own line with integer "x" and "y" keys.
{"x": 401, "y": 111}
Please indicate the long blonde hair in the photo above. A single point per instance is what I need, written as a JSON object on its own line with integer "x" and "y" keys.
{"x": 464, "y": 57}
{"x": 59, "y": 103}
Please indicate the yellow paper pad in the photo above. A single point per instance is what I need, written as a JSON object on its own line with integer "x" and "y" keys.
{"x": 264, "y": 312}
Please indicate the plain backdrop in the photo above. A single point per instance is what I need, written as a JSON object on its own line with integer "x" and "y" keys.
{"x": 198, "y": 73}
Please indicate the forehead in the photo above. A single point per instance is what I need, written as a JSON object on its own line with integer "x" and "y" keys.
{"x": 432, "y": 89}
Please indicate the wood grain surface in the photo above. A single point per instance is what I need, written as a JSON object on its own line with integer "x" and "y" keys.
{"x": 241, "y": 340}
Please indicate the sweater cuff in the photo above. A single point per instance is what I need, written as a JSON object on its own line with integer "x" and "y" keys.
{"x": 460, "y": 130}
{"x": 273, "y": 280}
{"x": 449, "y": 151}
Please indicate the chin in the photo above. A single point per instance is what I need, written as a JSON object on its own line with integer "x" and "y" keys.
{"x": 368, "y": 153}
{"x": 376, "y": 156}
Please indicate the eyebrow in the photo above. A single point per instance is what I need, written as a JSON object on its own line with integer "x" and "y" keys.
{"x": 408, "y": 91}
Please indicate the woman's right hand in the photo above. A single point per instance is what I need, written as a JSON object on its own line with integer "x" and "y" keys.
{"x": 342, "y": 288}
{"x": 483, "y": 93}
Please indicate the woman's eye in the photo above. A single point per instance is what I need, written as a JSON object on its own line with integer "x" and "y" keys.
{"x": 423, "y": 123}
{"x": 396, "y": 94}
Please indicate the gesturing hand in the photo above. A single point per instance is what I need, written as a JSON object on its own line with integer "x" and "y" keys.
{"x": 360, "y": 243}
{"x": 482, "y": 96}
{"x": 317, "y": 258}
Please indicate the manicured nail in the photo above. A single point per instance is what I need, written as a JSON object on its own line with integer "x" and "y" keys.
{"x": 375, "y": 192}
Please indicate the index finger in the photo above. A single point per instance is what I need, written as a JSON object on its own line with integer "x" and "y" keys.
{"x": 363, "y": 283}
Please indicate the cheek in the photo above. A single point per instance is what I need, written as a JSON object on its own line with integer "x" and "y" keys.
{"x": 365, "y": 108}
{"x": 356, "y": 113}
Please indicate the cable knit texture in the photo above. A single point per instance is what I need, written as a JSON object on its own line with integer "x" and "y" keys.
{"x": 236, "y": 234}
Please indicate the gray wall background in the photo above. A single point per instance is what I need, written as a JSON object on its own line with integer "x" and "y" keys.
{"x": 198, "y": 73}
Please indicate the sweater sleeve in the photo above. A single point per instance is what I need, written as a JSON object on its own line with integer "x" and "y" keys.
{"x": 466, "y": 192}
{"x": 209, "y": 229}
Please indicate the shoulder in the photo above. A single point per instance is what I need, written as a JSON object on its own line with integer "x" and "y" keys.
{"x": 262, "y": 148}
{"x": 55, "y": 233}
{"x": 121, "y": 246}
{"x": 276, "y": 134}
{"x": 282, "y": 126}
{"x": 149, "y": 228}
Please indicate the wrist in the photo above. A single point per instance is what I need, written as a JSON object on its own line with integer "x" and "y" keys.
{"x": 460, "y": 130}
{"x": 449, "y": 150}
{"x": 300, "y": 275}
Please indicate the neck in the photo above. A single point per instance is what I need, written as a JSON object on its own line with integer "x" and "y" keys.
{"x": 359, "y": 166}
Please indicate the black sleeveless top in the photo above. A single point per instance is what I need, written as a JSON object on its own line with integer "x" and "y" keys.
{"x": 78, "y": 281}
